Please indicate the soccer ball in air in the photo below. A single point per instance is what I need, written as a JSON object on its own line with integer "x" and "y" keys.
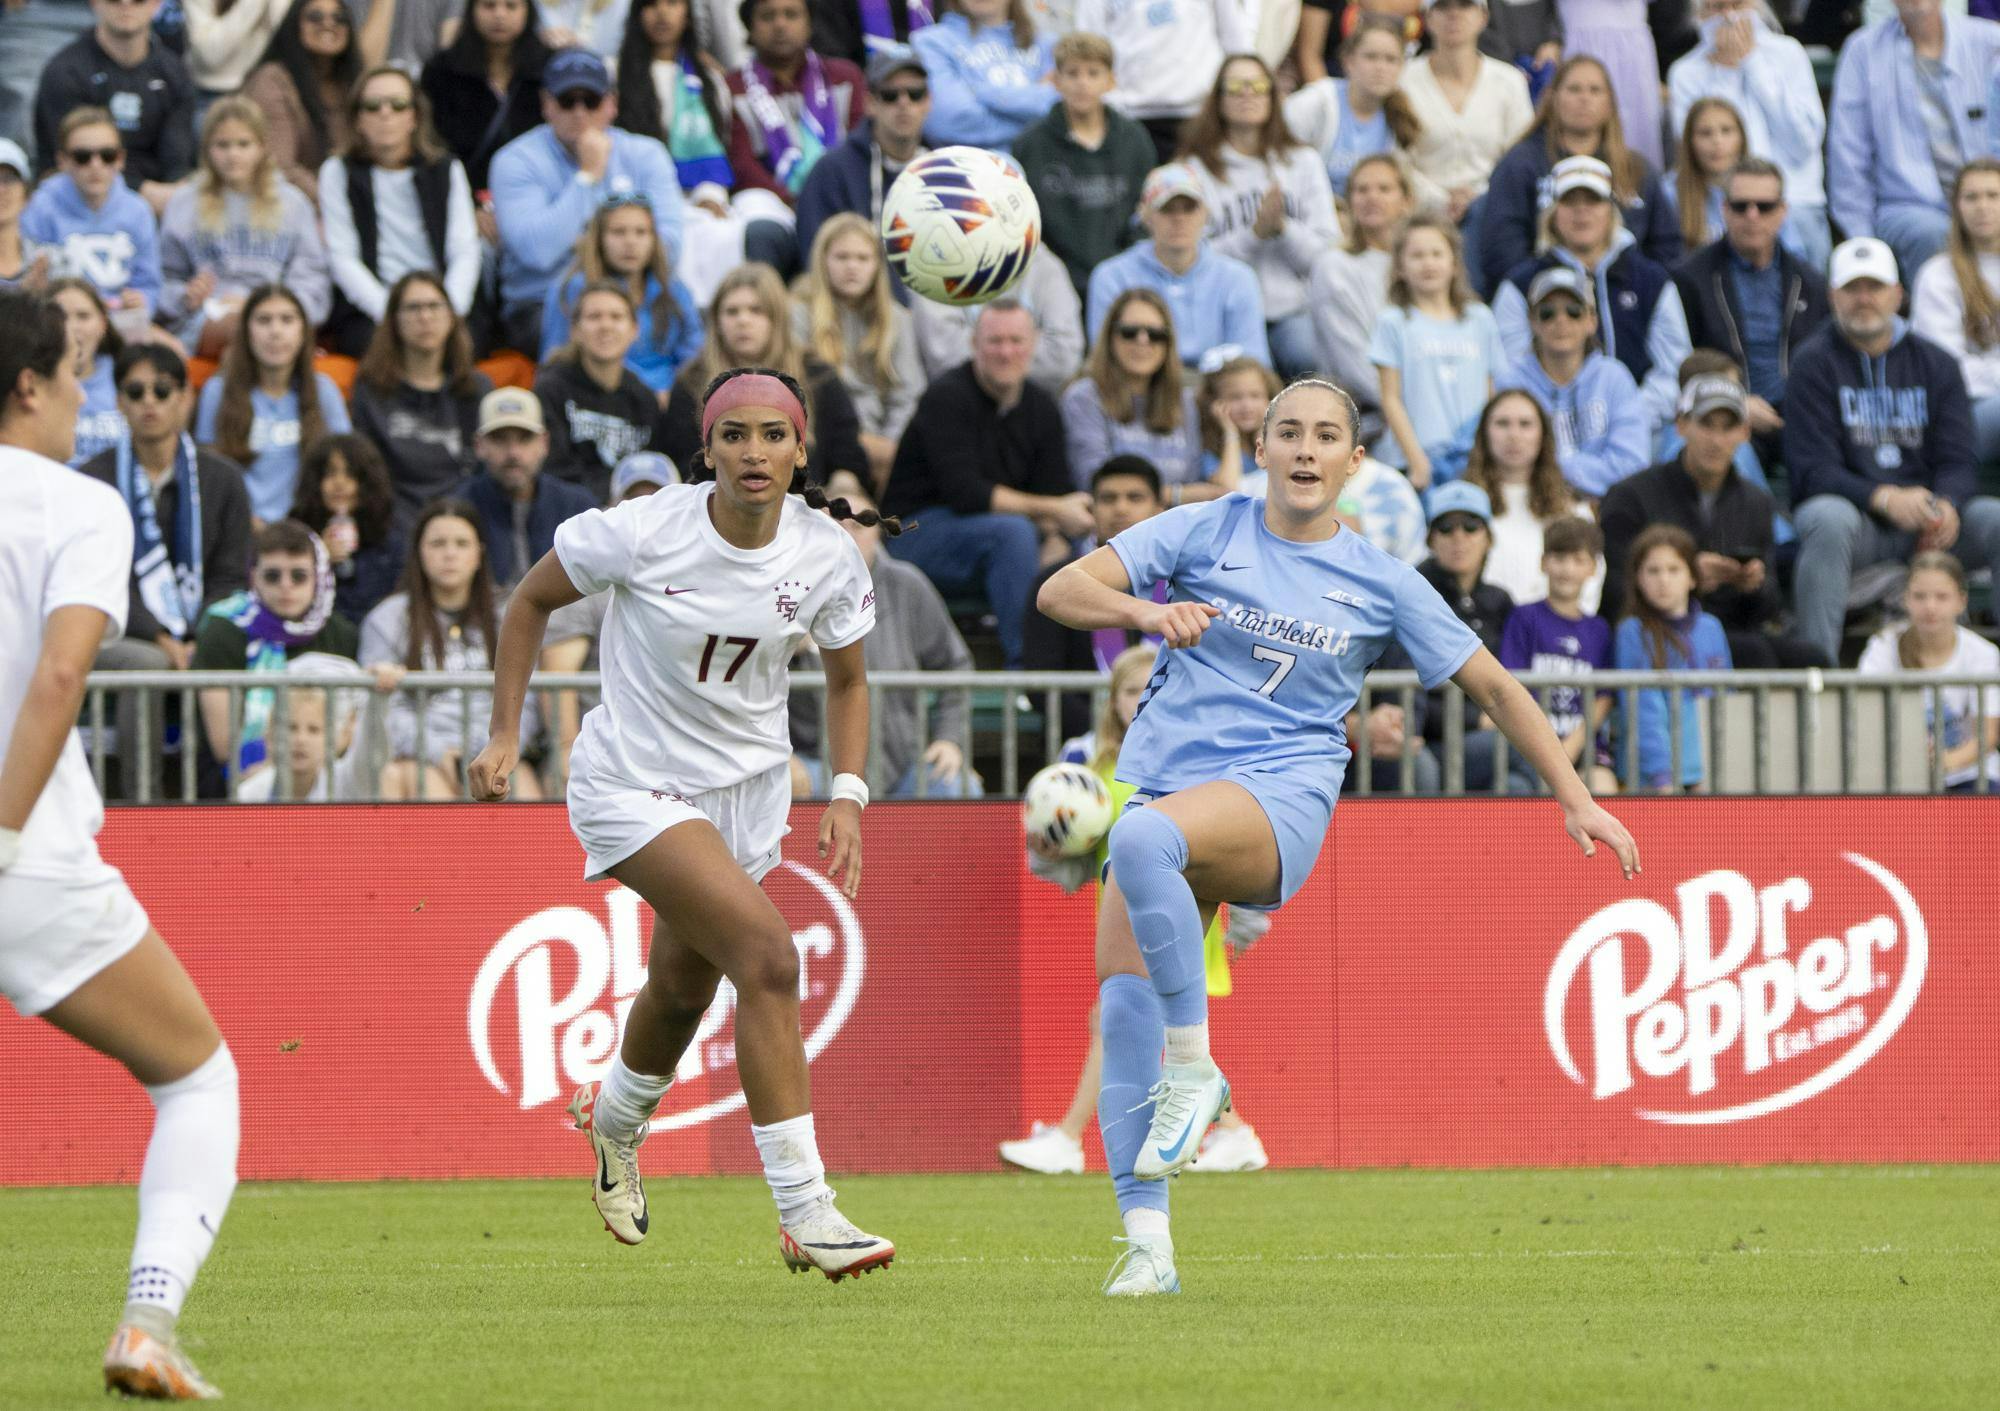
{"x": 960, "y": 224}
{"x": 1067, "y": 807}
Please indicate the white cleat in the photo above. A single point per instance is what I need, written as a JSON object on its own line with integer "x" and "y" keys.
{"x": 1186, "y": 1100}
{"x": 615, "y": 1187}
{"x": 1048, "y": 1151}
{"x": 139, "y": 1364}
{"x": 1231, "y": 1149}
{"x": 1146, "y": 1267}
{"x": 820, "y": 1237}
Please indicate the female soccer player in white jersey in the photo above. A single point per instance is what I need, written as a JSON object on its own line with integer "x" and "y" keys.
{"x": 75, "y": 947}
{"x": 680, "y": 781}
{"x": 1237, "y": 751}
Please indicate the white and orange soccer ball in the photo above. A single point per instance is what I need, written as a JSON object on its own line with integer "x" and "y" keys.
{"x": 960, "y": 225}
{"x": 1067, "y": 807}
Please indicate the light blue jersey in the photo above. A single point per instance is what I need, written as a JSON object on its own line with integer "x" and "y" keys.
{"x": 1269, "y": 686}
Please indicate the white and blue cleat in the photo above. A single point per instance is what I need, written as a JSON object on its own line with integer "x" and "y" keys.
{"x": 1146, "y": 1267}
{"x": 1186, "y": 1101}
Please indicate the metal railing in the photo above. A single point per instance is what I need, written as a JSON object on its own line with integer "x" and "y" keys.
{"x": 1758, "y": 732}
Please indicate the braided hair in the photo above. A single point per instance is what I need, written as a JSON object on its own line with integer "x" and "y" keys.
{"x": 1346, "y": 401}
{"x": 808, "y": 489}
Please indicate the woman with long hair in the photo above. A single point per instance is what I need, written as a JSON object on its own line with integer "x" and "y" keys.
{"x": 1713, "y": 141}
{"x": 1964, "y": 720}
{"x": 1269, "y": 202}
{"x": 1616, "y": 34}
{"x": 485, "y": 86}
{"x": 750, "y": 325}
{"x": 445, "y": 617}
{"x": 621, "y": 245}
{"x": 94, "y": 344}
{"x": 1365, "y": 113}
{"x": 846, "y": 315}
{"x": 266, "y": 403}
{"x": 1957, "y": 299}
{"x": 344, "y": 497}
{"x": 597, "y": 410}
{"x": 1350, "y": 283}
{"x": 1577, "y": 118}
{"x": 238, "y": 225}
{"x": 1514, "y": 461}
{"x": 394, "y": 177}
{"x": 1135, "y": 399}
{"x": 301, "y": 84}
{"x": 1469, "y": 106}
{"x": 989, "y": 72}
{"x": 416, "y": 394}
{"x": 1666, "y": 630}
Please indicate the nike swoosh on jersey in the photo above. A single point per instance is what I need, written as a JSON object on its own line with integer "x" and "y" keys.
{"x": 676, "y": 592}
{"x": 1232, "y": 567}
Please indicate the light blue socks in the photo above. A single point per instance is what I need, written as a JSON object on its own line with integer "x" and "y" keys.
{"x": 1134, "y": 1033}
{"x": 1148, "y": 852}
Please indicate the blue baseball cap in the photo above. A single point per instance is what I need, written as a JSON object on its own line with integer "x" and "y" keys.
{"x": 1460, "y": 497}
{"x": 642, "y": 468}
{"x": 572, "y": 69}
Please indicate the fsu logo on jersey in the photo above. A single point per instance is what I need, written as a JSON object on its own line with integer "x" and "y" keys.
{"x": 789, "y": 597}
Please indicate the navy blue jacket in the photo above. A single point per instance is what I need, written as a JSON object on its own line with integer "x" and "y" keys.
{"x": 1715, "y": 320}
{"x": 555, "y": 501}
{"x": 1513, "y": 203}
{"x": 1854, "y": 424}
{"x": 844, "y": 180}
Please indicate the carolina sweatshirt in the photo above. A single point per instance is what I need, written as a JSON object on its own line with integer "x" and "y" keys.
{"x": 115, "y": 247}
{"x": 1285, "y": 260}
{"x": 1603, "y": 432}
{"x": 1216, "y": 303}
{"x": 984, "y": 89}
{"x": 240, "y": 255}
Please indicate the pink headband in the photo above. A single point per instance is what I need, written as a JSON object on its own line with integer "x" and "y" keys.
{"x": 753, "y": 390}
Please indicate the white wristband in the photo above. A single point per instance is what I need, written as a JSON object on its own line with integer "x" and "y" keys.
{"x": 10, "y": 847}
{"x": 851, "y": 787}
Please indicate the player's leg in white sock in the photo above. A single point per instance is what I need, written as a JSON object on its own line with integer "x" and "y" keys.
{"x": 189, "y": 1175}
{"x": 792, "y": 1167}
{"x": 626, "y": 1101}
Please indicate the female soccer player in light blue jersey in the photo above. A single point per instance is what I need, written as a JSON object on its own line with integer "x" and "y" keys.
{"x": 1275, "y": 613}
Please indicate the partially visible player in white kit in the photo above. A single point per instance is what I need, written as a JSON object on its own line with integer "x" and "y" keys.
{"x": 76, "y": 949}
{"x": 680, "y": 782}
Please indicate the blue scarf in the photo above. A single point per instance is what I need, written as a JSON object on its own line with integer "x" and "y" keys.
{"x": 691, "y": 137}
{"x": 270, "y": 640}
{"x": 169, "y": 572}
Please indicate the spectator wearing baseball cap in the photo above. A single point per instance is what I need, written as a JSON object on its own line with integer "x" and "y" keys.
{"x": 989, "y": 72}
{"x": 549, "y": 182}
{"x": 1460, "y": 538}
{"x": 519, "y": 507}
{"x": 21, "y": 261}
{"x": 1603, "y": 432}
{"x": 1215, "y": 299}
{"x": 1878, "y": 439}
{"x": 855, "y": 175}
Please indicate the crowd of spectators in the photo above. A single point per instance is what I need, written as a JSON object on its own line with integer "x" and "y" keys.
{"x": 369, "y": 295}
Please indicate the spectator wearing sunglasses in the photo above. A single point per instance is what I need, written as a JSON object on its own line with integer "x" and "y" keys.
{"x": 1135, "y": 399}
{"x": 104, "y": 231}
{"x": 302, "y": 86}
{"x": 1461, "y": 540}
{"x": 548, "y": 183}
{"x": 855, "y": 175}
{"x": 143, "y": 84}
{"x": 1603, "y": 430}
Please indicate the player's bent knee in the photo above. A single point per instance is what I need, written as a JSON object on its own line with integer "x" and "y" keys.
{"x": 1146, "y": 840}
{"x": 769, "y": 966}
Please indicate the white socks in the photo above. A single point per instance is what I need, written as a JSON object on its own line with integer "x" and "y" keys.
{"x": 1142, "y": 1222}
{"x": 189, "y": 1175}
{"x": 626, "y": 1101}
{"x": 1187, "y": 1043}
{"x": 791, "y": 1163}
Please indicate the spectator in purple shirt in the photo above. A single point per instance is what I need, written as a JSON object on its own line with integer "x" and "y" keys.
{"x": 1557, "y": 635}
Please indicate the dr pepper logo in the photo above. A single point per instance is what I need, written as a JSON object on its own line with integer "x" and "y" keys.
{"x": 548, "y": 1005}
{"x": 1745, "y": 999}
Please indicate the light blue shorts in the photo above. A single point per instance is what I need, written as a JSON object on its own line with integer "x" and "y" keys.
{"x": 1299, "y": 818}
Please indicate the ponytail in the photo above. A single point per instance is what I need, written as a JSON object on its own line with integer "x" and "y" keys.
{"x": 815, "y": 497}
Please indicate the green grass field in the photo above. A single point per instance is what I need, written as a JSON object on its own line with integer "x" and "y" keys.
{"x": 1848, "y": 1287}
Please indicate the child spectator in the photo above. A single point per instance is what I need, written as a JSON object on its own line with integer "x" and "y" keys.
{"x": 122, "y": 65}
{"x": 1349, "y": 284}
{"x": 1964, "y": 721}
{"x": 1135, "y": 399}
{"x": 1615, "y": 33}
{"x": 302, "y": 84}
{"x": 395, "y": 202}
{"x": 989, "y": 72}
{"x": 598, "y": 411}
{"x": 417, "y": 393}
{"x": 1436, "y": 350}
{"x": 622, "y": 246}
{"x": 238, "y": 225}
{"x": 1513, "y": 460}
{"x": 1712, "y": 143}
{"x": 344, "y": 497}
{"x": 1168, "y": 53}
{"x": 1561, "y": 634}
{"x": 1603, "y": 431}
{"x": 847, "y": 317}
{"x": 94, "y": 347}
{"x": 1461, "y": 536}
{"x": 1365, "y": 113}
{"x": 320, "y": 726}
{"x": 485, "y": 87}
{"x": 1666, "y": 630}
{"x": 98, "y": 227}
{"x": 1086, "y": 161}
{"x": 266, "y": 403}
{"x": 1957, "y": 300}
{"x": 1469, "y": 107}
{"x": 1268, "y": 199}
{"x": 1233, "y": 399}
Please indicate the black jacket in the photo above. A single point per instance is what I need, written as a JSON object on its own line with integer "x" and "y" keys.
{"x": 469, "y": 116}
{"x": 958, "y": 447}
{"x": 1738, "y": 526}
{"x": 1485, "y": 610}
{"x": 1708, "y": 296}
{"x": 555, "y": 501}
{"x": 225, "y": 532}
{"x": 153, "y": 106}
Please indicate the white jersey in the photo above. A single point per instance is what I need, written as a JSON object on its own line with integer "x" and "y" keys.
{"x": 699, "y": 634}
{"x": 65, "y": 541}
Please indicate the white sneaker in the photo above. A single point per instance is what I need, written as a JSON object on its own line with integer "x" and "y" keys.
{"x": 1231, "y": 1149}
{"x": 139, "y": 1364}
{"x": 1048, "y": 1150}
{"x": 1146, "y": 1266}
{"x": 1188, "y": 1097}
{"x": 615, "y": 1188}
{"x": 820, "y": 1237}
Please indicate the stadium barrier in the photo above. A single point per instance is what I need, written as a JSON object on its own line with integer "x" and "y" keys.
{"x": 413, "y": 992}
{"x": 1760, "y": 732}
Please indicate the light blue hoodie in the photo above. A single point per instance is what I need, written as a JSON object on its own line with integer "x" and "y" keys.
{"x": 985, "y": 91}
{"x": 1217, "y": 303}
{"x": 1603, "y": 432}
{"x": 116, "y": 247}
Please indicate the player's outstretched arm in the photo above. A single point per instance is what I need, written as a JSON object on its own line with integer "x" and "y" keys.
{"x": 546, "y": 588}
{"x": 1514, "y": 711}
{"x": 48, "y": 713}
{"x": 1095, "y": 592}
{"x": 847, "y": 733}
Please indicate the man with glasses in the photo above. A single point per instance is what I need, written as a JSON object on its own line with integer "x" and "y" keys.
{"x": 547, "y": 184}
{"x": 147, "y": 89}
{"x": 191, "y": 538}
{"x": 1603, "y": 429}
{"x": 1750, "y": 297}
{"x": 855, "y": 175}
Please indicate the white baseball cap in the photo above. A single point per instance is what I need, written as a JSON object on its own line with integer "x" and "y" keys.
{"x": 11, "y": 155}
{"x": 1581, "y": 174}
{"x": 1863, "y": 258}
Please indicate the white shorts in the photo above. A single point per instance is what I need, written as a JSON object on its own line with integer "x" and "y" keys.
{"x": 613, "y": 820}
{"x": 56, "y": 933}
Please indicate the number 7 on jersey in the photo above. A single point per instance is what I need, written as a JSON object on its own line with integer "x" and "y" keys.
{"x": 1281, "y": 667}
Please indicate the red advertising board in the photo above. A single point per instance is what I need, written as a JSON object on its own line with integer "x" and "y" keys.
{"x": 413, "y": 992}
